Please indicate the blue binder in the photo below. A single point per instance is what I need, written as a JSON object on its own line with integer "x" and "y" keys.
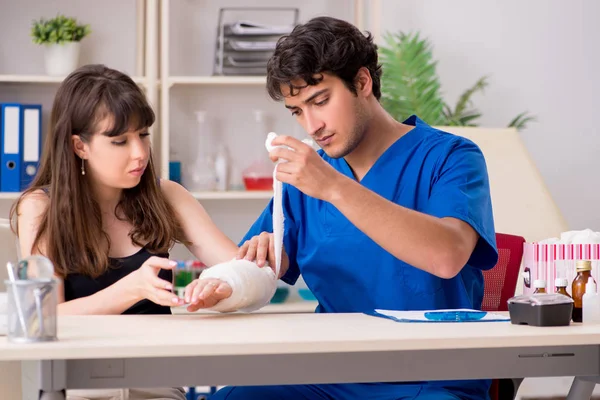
{"x": 31, "y": 139}
{"x": 10, "y": 157}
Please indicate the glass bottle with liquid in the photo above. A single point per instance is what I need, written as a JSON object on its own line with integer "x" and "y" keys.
{"x": 174, "y": 166}
{"x": 584, "y": 272}
{"x": 222, "y": 167}
{"x": 258, "y": 175}
{"x": 539, "y": 285}
{"x": 200, "y": 172}
{"x": 561, "y": 286}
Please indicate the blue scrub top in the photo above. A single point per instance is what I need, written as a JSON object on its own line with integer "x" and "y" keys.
{"x": 426, "y": 170}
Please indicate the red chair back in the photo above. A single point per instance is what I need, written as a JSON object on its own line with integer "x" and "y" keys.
{"x": 500, "y": 282}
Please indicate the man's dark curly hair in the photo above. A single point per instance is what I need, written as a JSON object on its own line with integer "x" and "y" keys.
{"x": 322, "y": 45}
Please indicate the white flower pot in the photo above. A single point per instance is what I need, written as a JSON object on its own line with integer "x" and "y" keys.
{"x": 61, "y": 59}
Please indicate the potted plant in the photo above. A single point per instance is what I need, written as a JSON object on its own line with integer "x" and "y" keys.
{"x": 410, "y": 85}
{"x": 61, "y": 37}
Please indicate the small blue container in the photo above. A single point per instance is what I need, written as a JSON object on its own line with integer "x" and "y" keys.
{"x": 306, "y": 294}
{"x": 281, "y": 295}
{"x": 175, "y": 171}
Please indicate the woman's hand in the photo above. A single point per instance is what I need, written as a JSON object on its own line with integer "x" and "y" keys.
{"x": 145, "y": 283}
{"x": 205, "y": 293}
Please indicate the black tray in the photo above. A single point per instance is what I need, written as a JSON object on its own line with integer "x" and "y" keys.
{"x": 540, "y": 315}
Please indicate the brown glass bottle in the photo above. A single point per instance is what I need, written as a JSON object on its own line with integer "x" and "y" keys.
{"x": 561, "y": 286}
{"x": 584, "y": 272}
{"x": 540, "y": 286}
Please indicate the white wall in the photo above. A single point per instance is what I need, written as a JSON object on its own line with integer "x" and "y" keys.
{"x": 542, "y": 56}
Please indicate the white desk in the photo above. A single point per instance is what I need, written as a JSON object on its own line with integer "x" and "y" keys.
{"x": 273, "y": 348}
{"x": 290, "y": 307}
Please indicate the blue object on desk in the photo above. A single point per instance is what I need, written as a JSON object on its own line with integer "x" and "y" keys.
{"x": 458, "y": 315}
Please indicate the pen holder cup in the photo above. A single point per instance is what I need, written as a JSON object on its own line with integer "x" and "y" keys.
{"x": 31, "y": 310}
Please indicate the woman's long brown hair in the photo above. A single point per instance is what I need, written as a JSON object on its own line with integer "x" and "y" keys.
{"x": 71, "y": 226}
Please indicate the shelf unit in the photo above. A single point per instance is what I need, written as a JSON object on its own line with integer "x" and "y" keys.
{"x": 167, "y": 81}
{"x": 153, "y": 75}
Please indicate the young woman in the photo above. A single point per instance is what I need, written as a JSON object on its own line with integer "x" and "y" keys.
{"x": 97, "y": 210}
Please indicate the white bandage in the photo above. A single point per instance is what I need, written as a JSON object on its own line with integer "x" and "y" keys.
{"x": 252, "y": 286}
{"x": 278, "y": 216}
{"x": 278, "y": 219}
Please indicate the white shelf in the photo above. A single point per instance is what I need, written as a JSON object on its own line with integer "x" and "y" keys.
{"x": 227, "y": 195}
{"x": 9, "y": 195}
{"x": 48, "y": 79}
{"x": 234, "y": 195}
{"x": 217, "y": 80}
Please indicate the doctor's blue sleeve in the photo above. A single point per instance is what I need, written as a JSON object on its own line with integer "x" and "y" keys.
{"x": 460, "y": 189}
{"x": 264, "y": 223}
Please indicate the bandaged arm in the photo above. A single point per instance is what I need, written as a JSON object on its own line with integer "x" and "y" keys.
{"x": 252, "y": 286}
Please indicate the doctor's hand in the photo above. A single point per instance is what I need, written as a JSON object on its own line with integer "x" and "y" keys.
{"x": 305, "y": 169}
{"x": 261, "y": 249}
{"x": 205, "y": 293}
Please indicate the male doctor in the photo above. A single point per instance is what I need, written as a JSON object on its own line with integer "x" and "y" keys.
{"x": 388, "y": 214}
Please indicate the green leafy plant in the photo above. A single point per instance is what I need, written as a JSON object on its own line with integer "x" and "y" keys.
{"x": 58, "y": 30}
{"x": 410, "y": 85}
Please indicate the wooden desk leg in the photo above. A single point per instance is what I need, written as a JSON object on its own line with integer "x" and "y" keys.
{"x": 581, "y": 389}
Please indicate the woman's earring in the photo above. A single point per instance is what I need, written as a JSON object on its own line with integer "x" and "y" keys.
{"x": 82, "y": 167}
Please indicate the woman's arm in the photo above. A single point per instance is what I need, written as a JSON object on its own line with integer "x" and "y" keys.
{"x": 229, "y": 284}
{"x": 208, "y": 243}
{"x": 114, "y": 299}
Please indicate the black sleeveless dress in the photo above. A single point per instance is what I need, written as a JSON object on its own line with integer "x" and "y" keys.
{"x": 77, "y": 285}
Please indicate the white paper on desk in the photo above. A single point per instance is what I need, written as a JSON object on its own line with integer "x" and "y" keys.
{"x": 419, "y": 316}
